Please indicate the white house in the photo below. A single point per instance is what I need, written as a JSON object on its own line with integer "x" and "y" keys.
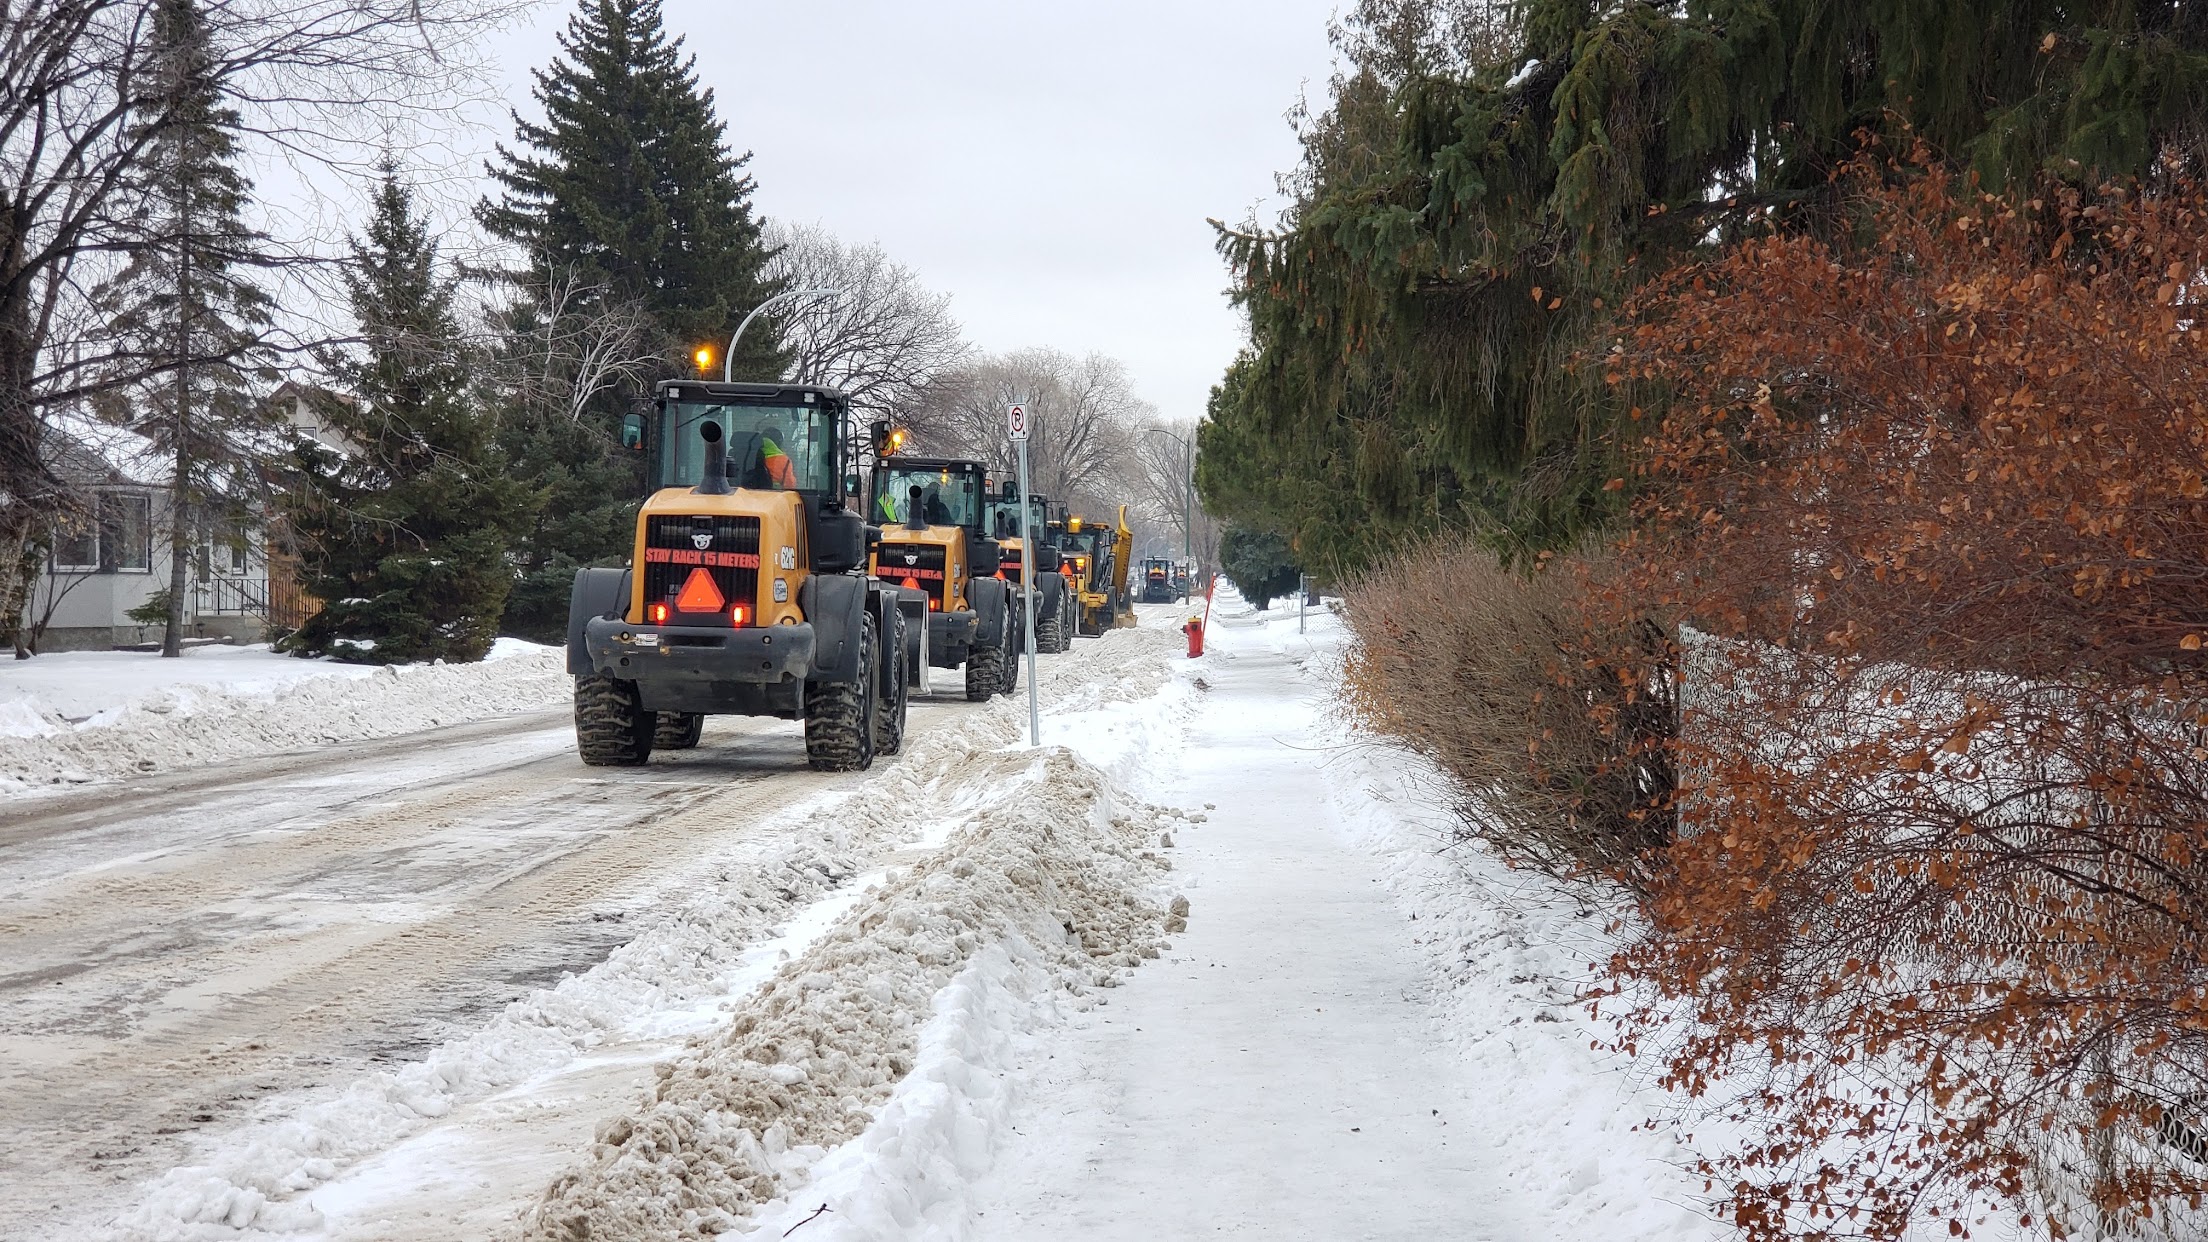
{"x": 113, "y": 555}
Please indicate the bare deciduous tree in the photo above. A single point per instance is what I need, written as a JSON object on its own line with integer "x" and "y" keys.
{"x": 80, "y": 108}
{"x": 1159, "y": 487}
{"x": 1083, "y": 416}
{"x": 567, "y": 341}
{"x": 881, "y": 341}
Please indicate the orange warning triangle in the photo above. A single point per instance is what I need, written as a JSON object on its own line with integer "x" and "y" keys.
{"x": 699, "y": 594}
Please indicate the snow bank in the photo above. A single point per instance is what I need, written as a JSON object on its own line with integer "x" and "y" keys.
{"x": 1046, "y": 872}
{"x": 698, "y": 955}
{"x": 79, "y": 717}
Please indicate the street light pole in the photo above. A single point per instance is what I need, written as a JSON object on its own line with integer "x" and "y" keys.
{"x": 1188, "y": 494}
{"x": 728, "y": 363}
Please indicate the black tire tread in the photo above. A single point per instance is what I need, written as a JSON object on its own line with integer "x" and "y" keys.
{"x": 839, "y": 716}
{"x": 889, "y": 728}
{"x": 1050, "y": 635}
{"x": 612, "y": 729}
{"x": 984, "y": 673}
{"x": 678, "y": 730}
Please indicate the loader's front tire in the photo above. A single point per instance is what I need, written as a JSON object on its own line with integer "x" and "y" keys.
{"x": 678, "y": 730}
{"x": 612, "y": 729}
{"x": 840, "y": 716}
{"x": 984, "y": 673}
{"x": 889, "y": 724}
{"x": 1012, "y": 656}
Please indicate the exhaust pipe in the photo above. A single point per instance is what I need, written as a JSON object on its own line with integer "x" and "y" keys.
{"x": 715, "y": 480}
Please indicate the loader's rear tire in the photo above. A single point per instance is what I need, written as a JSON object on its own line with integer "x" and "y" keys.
{"x": 1012, "y": 658}
{"x": 840, "y": 717}
{"x": 678, "y": 730}
{"x": 889, "y": 723}
{"x": 984, "y": 673}
{"x": 1050, "y": 635}
{"x": 612, "y": 729}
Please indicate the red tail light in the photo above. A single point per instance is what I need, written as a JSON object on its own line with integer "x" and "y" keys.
{"x": 656, "y": 613}
{"x": 740, "y": 615}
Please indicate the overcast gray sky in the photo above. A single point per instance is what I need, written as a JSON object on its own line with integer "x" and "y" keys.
{"x": 1048, "y": 164}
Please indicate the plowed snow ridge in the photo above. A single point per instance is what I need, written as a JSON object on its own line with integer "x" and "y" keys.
{"x": 1028, "y": 843}
{"x": 191, "y": 725}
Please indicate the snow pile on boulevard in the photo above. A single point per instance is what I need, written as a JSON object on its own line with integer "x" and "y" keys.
{"x": 1050, "y": 871}
{"x": 693, "y": 959}
{"x": 76, "y": 718}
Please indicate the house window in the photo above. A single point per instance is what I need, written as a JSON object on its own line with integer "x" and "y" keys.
{"x": 77, "y": 551}
{"x": 227, "y": 552}
{"x": 126, "y": 533}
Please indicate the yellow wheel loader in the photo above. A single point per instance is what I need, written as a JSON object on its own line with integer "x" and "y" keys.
{"x": 936, "y": 556}
{"x": 746, "y": 593}
{"x": 1054, "y": 620}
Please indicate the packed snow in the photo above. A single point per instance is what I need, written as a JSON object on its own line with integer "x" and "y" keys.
{"x": 1208, "y": 961}
{"x": 73, "y": 718}
{"x": 430, "y": 1148}
{"x": 1365, "y": 1031}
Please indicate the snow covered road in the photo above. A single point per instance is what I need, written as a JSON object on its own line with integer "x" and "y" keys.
{"x": 1205, "y": 965}
{"x": 189, "y": 953}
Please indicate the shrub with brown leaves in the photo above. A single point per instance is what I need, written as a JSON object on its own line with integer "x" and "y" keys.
{"x": 1939, "y": 906}
{"x": 1561, "y": 757}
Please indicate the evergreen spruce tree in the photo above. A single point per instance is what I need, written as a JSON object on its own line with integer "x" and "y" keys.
{"x": 628, "y": 187}
{"x": 1428, "y": 327}
{"x": 406, "y": 539}
{"x": 629, "y": 181}
{"x": 186, "y": 298}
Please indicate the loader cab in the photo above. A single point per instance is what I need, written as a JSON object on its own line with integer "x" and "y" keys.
{"x": 913, "y": 493}
{"x": 773, "y": 437}
{"x": 935, "y": 546}
{"x": 1004, "y": 513}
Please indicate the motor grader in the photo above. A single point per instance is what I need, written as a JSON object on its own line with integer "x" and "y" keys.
{"x": 1053, "y": 600}
{"x": 746, "y": 591}
{"x": 1158, "y": 585}
{"x": 936, "y": 553}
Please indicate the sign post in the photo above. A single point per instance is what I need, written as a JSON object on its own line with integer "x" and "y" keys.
{"x": 1015, "y": 420}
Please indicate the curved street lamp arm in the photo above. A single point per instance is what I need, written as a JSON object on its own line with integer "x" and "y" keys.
{"x": 728, "y": 360}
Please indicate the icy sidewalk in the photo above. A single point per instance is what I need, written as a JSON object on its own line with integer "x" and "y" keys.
{"x": 1285, "y": 1070}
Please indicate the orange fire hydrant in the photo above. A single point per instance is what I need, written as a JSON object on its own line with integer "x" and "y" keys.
{"x": 1195, "y": 631}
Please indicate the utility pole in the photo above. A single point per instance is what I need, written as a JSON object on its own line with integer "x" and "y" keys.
{"x": 1188, "y": 493}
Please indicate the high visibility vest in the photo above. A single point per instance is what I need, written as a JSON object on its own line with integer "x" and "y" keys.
{"x": 779, "y": 467}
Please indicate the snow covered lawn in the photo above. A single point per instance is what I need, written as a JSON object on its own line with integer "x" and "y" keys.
{"x": 77, "y": 717}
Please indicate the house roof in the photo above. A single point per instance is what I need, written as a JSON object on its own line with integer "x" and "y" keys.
{"x": 89, "y": 453}
{"x": 85, "y": 451}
